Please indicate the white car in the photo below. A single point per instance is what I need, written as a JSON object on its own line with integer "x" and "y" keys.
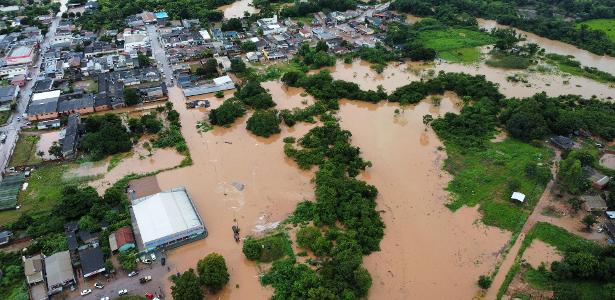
{"x": 133, "y": 273}
{"x": 86, "y": 292}
{"x": 122, "y": 292}
{"x": 104, "y": 298}
{"x": 153, "y": 256}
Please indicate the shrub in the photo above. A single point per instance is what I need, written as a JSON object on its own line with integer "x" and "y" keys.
{"x": 484, "y": 282}
{"x": 264, "y": 123}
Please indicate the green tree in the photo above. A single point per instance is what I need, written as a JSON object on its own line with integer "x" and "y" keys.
{"x": 88, "y": 223}
{"x": 227, "y": 113}
{"x": 589, "y": 220}
{"x": 213, "y": 272}
{"x": 144, "y": 60}
{"x": 571, "y": 176}
{"x": 127, "y": 260}
{"x": 484, "y": 282}
{"x": 248, "y": 46}
{"x": 237, "y": 65}
{"x": 56, "y": 150}
{"x": 264, "y": 123}
{"x": 187, "y": 287}
{"x": 251, "y": 248}
{"x": 131, "y": 97}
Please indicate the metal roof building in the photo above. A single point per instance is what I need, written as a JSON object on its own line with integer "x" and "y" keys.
{"x": 59, "y": 271}
{"x": 166, "y": 219}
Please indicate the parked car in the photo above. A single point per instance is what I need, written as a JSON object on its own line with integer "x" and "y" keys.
{"x": 86, "y": 292}
{"x": 153, "y": 256}
{"x": 104, "y": 298}
{"x": 133, "y": 273}
{"x": 99, "y": 285}
{"x": 122, "y": 292}
{"x": 145, "y": 260}
{"x": 145, "y": 279}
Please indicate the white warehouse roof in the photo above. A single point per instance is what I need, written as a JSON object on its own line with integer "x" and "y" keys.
{"x": 164, "y": 214}
{"x": 205, "y": 35}
{"x": 46, "y": 95}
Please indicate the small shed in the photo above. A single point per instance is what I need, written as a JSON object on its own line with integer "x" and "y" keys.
{"x": 594, "y": 203}
{"x": 562, "y": 142}
{"x": 518, "y": 197}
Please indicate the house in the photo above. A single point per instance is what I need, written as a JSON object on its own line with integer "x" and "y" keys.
{"x": 562, "y": 142}
{"x": 42, "y": 125}
{"x": 43, "y": 85}
{"x": 122, "y": 240}
{"x": 224, "y": 62}
{"x": 92, "y": 261}
{"x": 162, "y": 17}
{"x": 594, "y": 203}
{"x": 20, "y": 55}
{"x": 71, "y": 136}
{"x": 18, "y": 80}
{"x": 33, "y": 269}
{"x": 5, "y": 237}
{"x": 59, "y": 272}
{"x": 44, "y": 106}
{"x": 81, "y": 103}
{"x": 8, "y": 94}
{"x": 598, "y": 180}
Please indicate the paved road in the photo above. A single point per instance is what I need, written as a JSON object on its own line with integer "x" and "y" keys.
{"x": 16, "y": 121}
{"x": 159, "y": 53}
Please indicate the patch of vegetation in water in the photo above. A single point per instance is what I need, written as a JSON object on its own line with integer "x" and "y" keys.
{"x": 568, "y": 64}
{"x": 450, "y": 42}
{"x": 507, "y": 61}
{"x": 269, "y": 248}
{"x": 461, "y": 55}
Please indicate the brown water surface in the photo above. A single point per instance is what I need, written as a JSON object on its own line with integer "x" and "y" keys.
{"x": 428, "y": 252}
{"x": 222, "y": 157}
{"x": 540, "y": 252}
{"x": 602, "y": 62}
{"x": 237, "y": 9}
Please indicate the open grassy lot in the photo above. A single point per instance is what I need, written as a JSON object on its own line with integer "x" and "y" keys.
{"x": 25, "y": 151}
{"x": 44, "y": 188}
{"x": 487, "y": 177}
{"x": 606, "y": 25}
{"x": 455, "y": 43}
{"x": 4, "y": 116}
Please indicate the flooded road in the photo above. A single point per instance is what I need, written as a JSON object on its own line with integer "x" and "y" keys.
{"x": 601, "y": 62}
{"x": 224, "y": 156}
{"x": 237, "y": 9}
{"x": 399, "y": 74}
{"x": 428, "y": 252}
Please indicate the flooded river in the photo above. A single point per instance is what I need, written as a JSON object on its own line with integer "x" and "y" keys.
{"x": 602, "y": 62}
{"x": 428, "y": 252}
{"x": 237, "y": 9}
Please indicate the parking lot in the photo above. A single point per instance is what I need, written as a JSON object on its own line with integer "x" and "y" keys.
{"x": 120, "y": 281}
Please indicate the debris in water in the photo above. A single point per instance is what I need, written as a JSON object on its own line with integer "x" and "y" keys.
{"x": 238, "y": 185}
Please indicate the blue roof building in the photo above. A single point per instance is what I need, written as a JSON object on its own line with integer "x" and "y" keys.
{"x": 161, "y": 15}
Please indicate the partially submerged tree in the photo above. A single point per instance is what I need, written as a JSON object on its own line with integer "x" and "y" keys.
{"x": 213, "y": 273}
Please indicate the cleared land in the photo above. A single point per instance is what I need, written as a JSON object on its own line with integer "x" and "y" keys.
{"x": 457, "y": 45}
{"x": 487, "y": 178}
{"x": 25, "y": 151}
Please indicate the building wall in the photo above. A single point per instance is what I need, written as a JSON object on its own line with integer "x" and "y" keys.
{"x": 42, "y": 117}
{"x": 83, "y": 111}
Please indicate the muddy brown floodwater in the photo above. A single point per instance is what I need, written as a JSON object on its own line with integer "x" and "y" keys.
{"x": 400, "y": 74}
{"x": 540, "y": 252}
{"x": 237, "y": 9}
{"x": 428, "y": 252}
{"x": 273, "y": 187}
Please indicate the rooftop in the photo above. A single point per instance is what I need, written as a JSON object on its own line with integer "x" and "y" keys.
{"x": 164, "y": 214}
{"x": 92, "y": 261}
{"x": 58, "y": 268}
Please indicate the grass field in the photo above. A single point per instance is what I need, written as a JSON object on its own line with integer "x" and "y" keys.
{"x": 606, "y": 25}
{"x": 456, "y": 44}
{"x": 4, "y": 116}
{"x": 44, "y": 189}
{"x": 484, "y": 177}
{"x": 25, "y": 151}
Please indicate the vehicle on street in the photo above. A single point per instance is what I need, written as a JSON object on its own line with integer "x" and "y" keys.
{"x": 145, "y": 260}
{"x": 122, "y": 292}
{"x": 86, "y": 292}
{"x": 145, "y": 279}
{"x": 133, "y": 273}
{"x": 153, "y": 256}
{"x": 163, "y": 261}
{"x": 99, "y": 285}
{"x": 3, "y": 137}
{"x": 104, "y": 298}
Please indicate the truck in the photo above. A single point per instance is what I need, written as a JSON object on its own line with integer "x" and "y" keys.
{"x": 145, "y": 279}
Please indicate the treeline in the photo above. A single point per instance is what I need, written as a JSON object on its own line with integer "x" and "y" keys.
{"x": 323, "y": 87}
{"x": 543, "y": 17}
{"x": 112, "y": 13}
{"x": 539, "y": 116}
{"x": 340, "y": 199}
{"x": 586, "y": 264}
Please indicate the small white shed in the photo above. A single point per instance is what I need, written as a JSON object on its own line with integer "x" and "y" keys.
{"x": 518, "y": 196}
